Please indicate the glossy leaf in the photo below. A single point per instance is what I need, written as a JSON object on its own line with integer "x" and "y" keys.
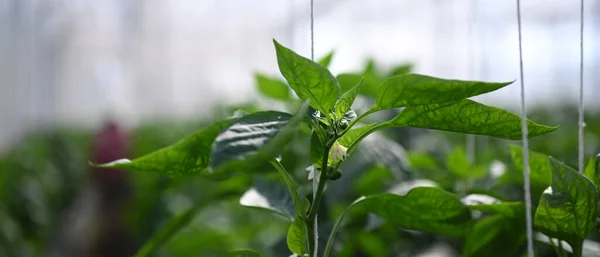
{"x": 253, "y": 140}
{"x": 297, "y": 237}
{"x": 415, "y": 89}
{"x": 355, "y": 134}
{"x": 484, "y": 238}
{"x": 272, "y": 88}
{"x": 326, "y": 60}
{"x": 569, "y": 208}
{"x": 190, "y": 155}
{"x": 541, "y": 172}
{"x": 428, "y": 209}
{"x": 488, "y": 204}
{"x": 270, "y": 195}
{"x": 466, "y": 116}
{"x": 343, "y": 105}
{"x": 243, "y": 253}
{"x": 308, "y": 79}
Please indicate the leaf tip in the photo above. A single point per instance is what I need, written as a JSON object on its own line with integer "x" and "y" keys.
{"x": 112, "y": 164}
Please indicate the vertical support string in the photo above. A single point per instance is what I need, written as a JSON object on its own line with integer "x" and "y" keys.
{"x": 581, "y": 124}
{"x": 471, "y": 139}
{"x": 526, "y": 168}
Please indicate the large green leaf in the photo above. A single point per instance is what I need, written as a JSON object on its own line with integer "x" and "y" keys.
{"x": 343, "y": 105}
{"x": 467, "y": 116}
{"x": 243, "y": 253}
{"x": 188, "y": 156}
{"x": 541, "y": 172}
{"x": 297, "y": 237}
{"x": 271, "y": 87}
{"x": 272, "y": 195}
{"x": 569, "y": 207}
{"x": 253, "y": 140}
{"x": 428, "y": 209}
{"x": 415, "y": 89}
{"x": 485, "y": 237}
{"x": 308, "y": 79}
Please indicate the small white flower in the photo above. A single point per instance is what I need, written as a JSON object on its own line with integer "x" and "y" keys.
{"x": 338, "y": 152}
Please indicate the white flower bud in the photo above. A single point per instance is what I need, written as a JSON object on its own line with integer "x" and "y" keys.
{"x": 338, "y": 152}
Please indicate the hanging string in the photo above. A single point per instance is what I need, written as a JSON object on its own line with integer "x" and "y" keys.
{"x": 312, "y": 30}
{"x": 471, "y": 139}
{"x": 526, "y": 170}
{"x": 581, "y": 121}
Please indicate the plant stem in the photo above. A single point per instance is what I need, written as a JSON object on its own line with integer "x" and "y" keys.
{"x": 577, "y": 248}
{"x": 314, "y": 208}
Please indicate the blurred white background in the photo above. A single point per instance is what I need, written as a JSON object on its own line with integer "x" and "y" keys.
{"x": 72, "y": 62}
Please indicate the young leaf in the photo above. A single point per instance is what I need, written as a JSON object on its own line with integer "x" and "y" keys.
{"x": 415, "y": 89}
{"x": 481, "y": 241}
{"x": 569, "y": 207}
{"x": 541, "y": 172}
{"x": 297, "y": 237}
{"x": 308, "y": 79}
{"x": 342, "y": 106}
{"x": 301, "y": 204}
{"x": 253, "y": 140}
{"x": 271, "y": 87}
{"x": 243, "y": 253}
{"x": 326, "y": 60}
{"x": 370, "y": 85}
{"x": 270, "y": 195}
{"x": 467, "y": 116}
{"x": 187, "y": 156}
{"x": 592, "y": 170}
{"x": 428, "y": 209}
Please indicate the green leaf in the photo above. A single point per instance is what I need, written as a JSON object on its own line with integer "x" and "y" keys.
{"x": 483, "y": 239}
{"x": 300, "y": 202}
{"x": 297, "y": 237}
{"x": 488, "y": 204}
{"x": 243, "y": 253}
{"x": 355, "y": 134}
{"x": 569, "y": 207}
{"x": 326, "y": 60}
{"x": 270, "y": 195}
{"x": 253, "y": 140}
{"x": 343, "y": 105}
{"x": 541, "y": 172}
{"x": 592, "y": 170}
{"x": 370, "y": 85}
{"x": 316, "y": 150}
{"x": 470, "y": 117}
{"x": 271, "y": 87}
{"x": 458, "y": 163}
{"x": 190, "y": 155}
{"x": 421, "y": 160}
{"x": 427, "y": 209}
{"x": 401, "y": 70}
{"x": 415, "y": 89}
{"x": 308, "y": 79}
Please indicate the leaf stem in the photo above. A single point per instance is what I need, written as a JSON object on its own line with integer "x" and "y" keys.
{"x": 370, "y": 111}
{"x": 336, "y": 226}
{"x": 314, "y": 208}
{"x": 292, "y": 187}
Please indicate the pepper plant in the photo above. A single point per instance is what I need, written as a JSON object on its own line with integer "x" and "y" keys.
{"x": 253, "y": 143}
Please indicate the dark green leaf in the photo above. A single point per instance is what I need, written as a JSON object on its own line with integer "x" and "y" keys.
{"x": 486, "y": 235}
{"x": 488, "y": 204}
{"x": 243, "y": 253}
{"x": 252, "y": 141}
{"x": 297, "y": 237}
{"x": 271, "y": 87}
{"x": 308, "y": 79}
{"x": 187, "y": 156}
{"x": 370, "y": 85}
{"x": 326, "y": 60}
{"x": 270, "y": 195}
{"x": 316, "y": 150}
{"x": 470, "y": 117}
{"x": 428, "y": 209}
{"x": 416, "y": 89}
{"x": 345, "y": 102}
{"x": 541, "y": 172}
{"x": 569, "y": 208}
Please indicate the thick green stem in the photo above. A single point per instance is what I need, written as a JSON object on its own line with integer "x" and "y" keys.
{"x": 314, "y": 208}
{"x": 577, "y": 248}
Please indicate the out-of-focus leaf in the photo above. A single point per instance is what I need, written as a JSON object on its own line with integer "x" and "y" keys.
{"x": 243, "y": 253}
{"x": 541, "y": 172}
{"x": 495, "y": 236}
{"x": 486, "y": 203}
{"x": 326, "y": 60}
{"x": 271, "y": 195}
{"x": 271, "y": 87}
